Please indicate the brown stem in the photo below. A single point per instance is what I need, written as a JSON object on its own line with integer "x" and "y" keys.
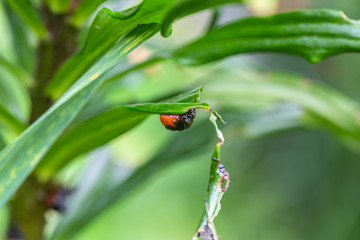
{"x": 51, "y": 55}
{"x": 27, "y": 210}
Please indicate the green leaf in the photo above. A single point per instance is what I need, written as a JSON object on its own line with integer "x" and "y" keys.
{"x": 2, "y": 142}
{"x": 272, "y": 120}
{"x": 19, "y": 157}
{"x": 22, "y": 39}
{"x": 154, "y": 59}
{"x": 20, "y": 74}
{"x": 166, "y": 108}
{"x": 82, "y": 13}
{"x": 27, "y": 12}
{"x": 58, "y": 6}
{"x": 322, "y": 107}
{"x": 89, "y": 135}
{"x": 106, "y": 29}
{"x": 212, "y": 202}
{"x": 10, "y": 123}
{"x": 106, "y": 126}
{"x": 107, "y": 189}
{"x": 14, "y": 95}
{"x": 216, "y": 13}
{"x": 7, "y": 45}
{"x": 105, "y": 32}
{"x": 218, "y": 175}
{"x": 192, "y": 96}
{"x": 183, "y": 8}
{"x": 111, "y": 189}
{"x": 312, "y": 34}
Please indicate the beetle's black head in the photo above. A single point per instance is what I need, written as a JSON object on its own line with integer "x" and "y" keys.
{"x": 187, "y": 118}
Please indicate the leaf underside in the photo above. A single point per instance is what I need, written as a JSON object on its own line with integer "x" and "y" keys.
{"x": 312, "y": 34}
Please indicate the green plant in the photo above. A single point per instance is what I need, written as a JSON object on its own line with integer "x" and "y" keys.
{"x": 64, "y": 106}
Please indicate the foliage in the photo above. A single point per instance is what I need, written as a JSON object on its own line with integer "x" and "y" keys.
{"x": 83, "y": 95}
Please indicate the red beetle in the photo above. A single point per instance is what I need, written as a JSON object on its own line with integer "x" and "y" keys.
{"x": 178, "y": 122}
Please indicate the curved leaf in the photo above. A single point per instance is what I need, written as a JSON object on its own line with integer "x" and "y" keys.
{"x": 183, "y": 8}
{"x": 19, "y": 157}
{"x": 27, "y": 12}
{"x": 341, "y": 117}
{"x": 105, "y": 32}
{"x": 312, "y": 34}
{"x": 106, "y": 126}
{"x": 166, "y": 108}
{"x": 106, "y": 29}
{"x": 323, "y": 107}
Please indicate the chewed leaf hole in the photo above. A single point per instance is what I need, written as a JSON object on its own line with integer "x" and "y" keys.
{"x": 224, "y": 181}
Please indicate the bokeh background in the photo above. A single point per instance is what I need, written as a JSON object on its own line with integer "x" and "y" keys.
{"x": 287, "y": 181}
{"x": 298, "y": 184}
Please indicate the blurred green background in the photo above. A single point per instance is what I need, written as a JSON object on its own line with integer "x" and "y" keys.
{"x": 295, "y": 184}
{"x": 289, "y": 183}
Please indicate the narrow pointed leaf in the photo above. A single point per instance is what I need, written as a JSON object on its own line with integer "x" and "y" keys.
{"x": 166, "y": 108}
{"x": 312, "y": 34}
{"x": 107, "y": 27}
{"x": 19, "y": 157}
{"x": 106, "y": 126}
{"x": 101, "y": 38}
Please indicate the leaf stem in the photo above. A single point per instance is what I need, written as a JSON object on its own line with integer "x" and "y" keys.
{"x": 216, "y": 13}
{"x": 218, "y": 175}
